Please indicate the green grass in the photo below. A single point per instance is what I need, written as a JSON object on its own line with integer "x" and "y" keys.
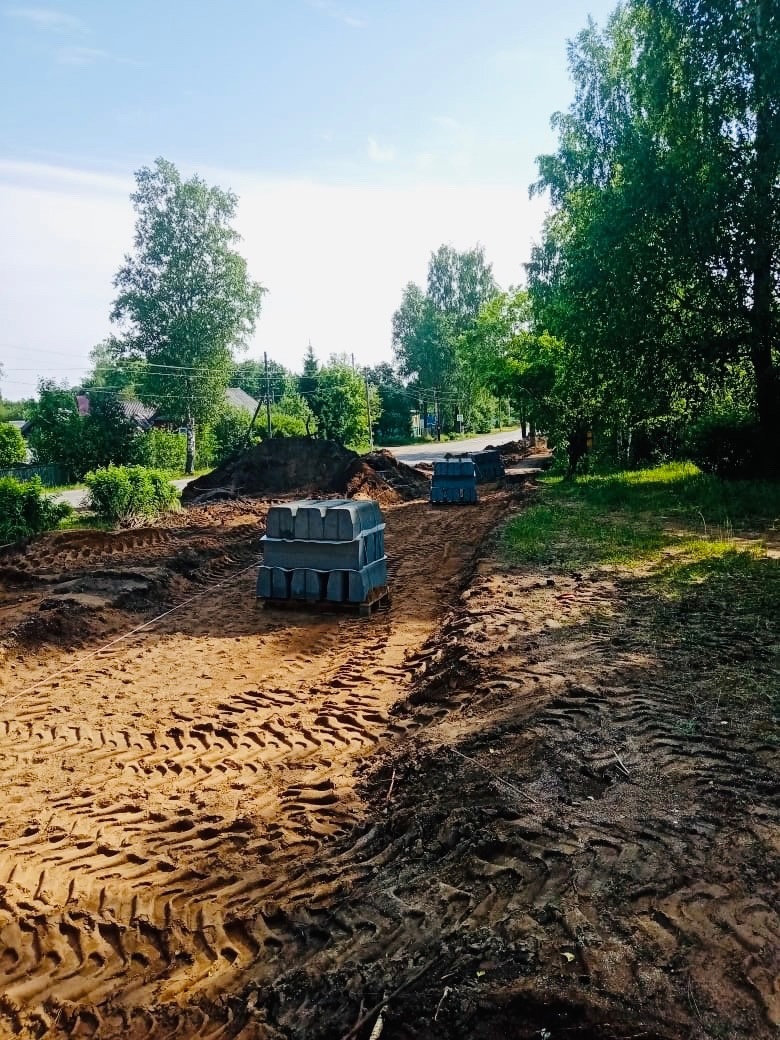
{"x": 631, "y": 518}
{"x": 78, "y": 521}
{"x": 695, "y": 589}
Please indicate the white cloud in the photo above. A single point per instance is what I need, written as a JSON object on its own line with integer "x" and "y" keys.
{"x": 379, "y": 153}
{"x": 88, "y": 56}
{"x": 335, "y": 259}
{"x": 447, "y": 122}
{"x": 338, "y": 13}
{"x": 47, "y": 18}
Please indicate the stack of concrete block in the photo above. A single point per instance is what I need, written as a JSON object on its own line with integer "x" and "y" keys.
{"x": 331, "y": 550}
{"x": 489, "y": 465}
{"x": 454, "y": 480}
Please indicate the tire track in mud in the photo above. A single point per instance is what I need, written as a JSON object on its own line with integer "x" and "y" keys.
{"x": 169, "y": 798}
{"x": 622, "y": 862}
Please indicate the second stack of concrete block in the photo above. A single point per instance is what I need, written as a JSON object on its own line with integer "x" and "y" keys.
{"x": 454, "y": 480}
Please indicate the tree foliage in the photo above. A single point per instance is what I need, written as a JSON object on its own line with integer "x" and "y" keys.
{"x": 13, "y": 450}
{"x": 659, "y": 265}
{"x": 337, "y": 398}
{"x": 395, "y": 421}
{"x": 428, "y": 326}
{"x": 60, "y": 435}
{"x": 185, "y": 298}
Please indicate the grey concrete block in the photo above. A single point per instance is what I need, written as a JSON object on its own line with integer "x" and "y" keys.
{"x": 323, "y": 556}
{"x": 264, "y": 582}
{"x": 364, "y": 581}
{"x": 298, "y": 584}
{"x": 337, "y": 586}
{"x": 489, "y": 465}
{"x": 461, "y": 492}
{"x": 352, "y": 518}
{"x": 316, "y": 584}
{"x": 453, "y": 468}
{"x": 280, "y": 583}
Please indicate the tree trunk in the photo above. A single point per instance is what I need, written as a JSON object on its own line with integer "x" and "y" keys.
{"x": 576, "y": 446}
{"x": 189, "y": 466}
{"x": 766, "y": 168}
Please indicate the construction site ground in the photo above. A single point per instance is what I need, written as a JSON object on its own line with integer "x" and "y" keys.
{"x": 480, "y": 813}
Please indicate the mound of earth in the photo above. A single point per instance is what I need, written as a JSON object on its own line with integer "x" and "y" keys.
{"x": 305, "y": 466}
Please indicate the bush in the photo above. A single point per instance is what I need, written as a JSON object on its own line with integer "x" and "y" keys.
{"x": 283, "y": 425}
{"x": 160, "y": 449}
{"x": 228, "y": 431}
{"x": 126, "y": 494}
{"x": 25, "y": 509}
{"x": 726, "y": 444}
{"x": 13, "y": 450}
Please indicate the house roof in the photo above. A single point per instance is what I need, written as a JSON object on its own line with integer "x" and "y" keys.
{"x": 241, "y": 399}
{"x": 141, "y": 414}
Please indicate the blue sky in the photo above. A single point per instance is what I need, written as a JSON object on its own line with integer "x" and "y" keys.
{"x": 359, "y": 135}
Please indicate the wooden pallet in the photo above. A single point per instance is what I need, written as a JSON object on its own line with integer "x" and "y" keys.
{"x": 378, "y": 599}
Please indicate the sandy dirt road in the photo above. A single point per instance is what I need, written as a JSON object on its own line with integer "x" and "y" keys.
{"x": 162, "y": 798}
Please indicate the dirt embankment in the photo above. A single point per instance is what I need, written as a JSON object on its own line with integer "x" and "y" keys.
{"x": 307, "y": 466}
{"x": 68, "y": 588}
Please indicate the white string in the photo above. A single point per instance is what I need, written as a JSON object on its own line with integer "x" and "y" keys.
{"x": 125, "y": 635}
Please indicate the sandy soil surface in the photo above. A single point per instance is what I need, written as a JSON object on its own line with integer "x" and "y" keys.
{"x": 481, "y": 813}
{"x": 163, "y": 797}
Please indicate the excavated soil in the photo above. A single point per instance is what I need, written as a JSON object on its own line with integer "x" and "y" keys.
{"x": 306, "y": 466}
{"x": 482, "y": 813}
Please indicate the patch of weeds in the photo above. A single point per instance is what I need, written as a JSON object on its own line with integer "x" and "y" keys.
{"x": 79, "y": 521}
{"x": 686, "y": 727}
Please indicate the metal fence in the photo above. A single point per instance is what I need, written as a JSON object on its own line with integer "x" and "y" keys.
{"x": 51, "y": 476}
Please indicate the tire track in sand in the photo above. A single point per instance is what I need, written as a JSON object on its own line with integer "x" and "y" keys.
{"x": 168, "y": 796}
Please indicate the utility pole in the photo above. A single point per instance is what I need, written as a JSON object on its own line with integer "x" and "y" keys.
{"x": 368, "y": 410}
{"x": 353, "y": 362}
{"x": 436, "y": 414}
{"x": 267, "y": 393}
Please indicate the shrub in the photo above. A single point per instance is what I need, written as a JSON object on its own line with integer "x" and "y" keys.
{"x": 228, "y": 430}
{"x": 283, "y": 425}
{"x": 12, "y": 447}
{"x": 127, "y": 494}
{"x": 726, "y": 444}
{"x": 160, "y": 449}
{"x": 25, "y": 509}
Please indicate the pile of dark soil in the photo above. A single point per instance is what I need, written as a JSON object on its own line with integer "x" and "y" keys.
{"x": 305, "y": 466}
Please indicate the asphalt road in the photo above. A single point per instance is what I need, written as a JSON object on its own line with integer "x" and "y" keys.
{"x": 428, "y": 451}
{"x": 409, "y": 453}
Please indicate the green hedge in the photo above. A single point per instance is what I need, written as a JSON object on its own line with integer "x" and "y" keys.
{"x": 25, "y": 509}
{"x": 124, "y": 494}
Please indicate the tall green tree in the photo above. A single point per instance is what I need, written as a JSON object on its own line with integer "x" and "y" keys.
{"x": 250, "y": 375}
{"x": 659, "y": 266}
{"x": 428, "y": 325}
{"x": 56, "y": 429}
{"x": 186, "y": 300}
{"x": 395, "y": 421}
{"x": 339, "y": 403}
